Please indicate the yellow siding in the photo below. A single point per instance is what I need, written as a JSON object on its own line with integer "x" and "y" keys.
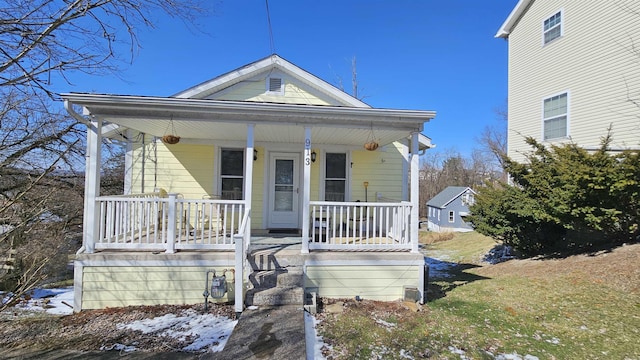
{"x": 255, "y": 90}
{"x": 113, "y": 286}
{"x": 181, "y": 168}
{"x": 258, "y": 189}
{"x": 592, "y": 61}
{"x": 382, "y": 169}
{"x": 384, "y": 283}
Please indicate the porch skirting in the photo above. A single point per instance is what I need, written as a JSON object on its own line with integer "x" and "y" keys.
{"x": 371, "y": 275}
{"x": 117, "y": 279}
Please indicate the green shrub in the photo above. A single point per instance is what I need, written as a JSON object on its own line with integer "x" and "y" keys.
{"x": 563, "y": 198}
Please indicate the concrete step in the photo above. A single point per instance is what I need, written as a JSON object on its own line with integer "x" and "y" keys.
{"x": 274, "y": 258}
{"x": 286, "y": 277}
{"x": 276, "y": 296}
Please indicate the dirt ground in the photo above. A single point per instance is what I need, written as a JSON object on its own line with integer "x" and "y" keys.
{"x": 90, "y": 331}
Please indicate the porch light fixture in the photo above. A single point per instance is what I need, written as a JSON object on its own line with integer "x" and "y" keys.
{"x": 255, "y": 154}
{"x": 313, "y": 156}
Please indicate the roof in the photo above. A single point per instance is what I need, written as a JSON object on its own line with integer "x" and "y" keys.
{"x": 521, "y": 7}
{"x": 193, "y": 114}
{"x": 447, "y": 195}
{"x": 268, "y": 64}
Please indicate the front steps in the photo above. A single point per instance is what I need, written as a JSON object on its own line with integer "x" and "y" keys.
{"x": 277, "y": 277}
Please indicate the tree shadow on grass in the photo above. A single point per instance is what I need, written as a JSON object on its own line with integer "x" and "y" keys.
{"x": 445, "y": 276}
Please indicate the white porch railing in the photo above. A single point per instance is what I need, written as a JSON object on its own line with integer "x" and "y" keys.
{"x": 153, "y": 223}
{"x": 360, "y": 226}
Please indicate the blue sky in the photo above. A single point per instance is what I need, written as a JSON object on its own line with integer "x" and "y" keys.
{"x": 427, "y": 55}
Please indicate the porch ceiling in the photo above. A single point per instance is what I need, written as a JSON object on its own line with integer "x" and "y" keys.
{"x": 227, "y": 120}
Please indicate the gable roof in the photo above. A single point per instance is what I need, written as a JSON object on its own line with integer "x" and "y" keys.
{"x": 267, "y": 65}
{"x": 448, "y": 195}
{"x": 521, "y": 7}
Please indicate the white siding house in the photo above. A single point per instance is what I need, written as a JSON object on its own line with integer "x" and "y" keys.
{"x": 573, "y": 73}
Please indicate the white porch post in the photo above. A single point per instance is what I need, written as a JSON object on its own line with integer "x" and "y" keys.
{"x": 91, "y": 220}
{"x": 172, "y": 216}
{"x": 415, "y": 191}
{"x": 306, "y": 190}
{"x": 248, "y": 182}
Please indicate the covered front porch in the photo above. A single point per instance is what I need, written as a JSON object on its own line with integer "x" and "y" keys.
{"x": 185, "y": 224}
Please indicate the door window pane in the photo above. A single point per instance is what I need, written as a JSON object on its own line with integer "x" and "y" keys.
{"x": 284, "y": 185}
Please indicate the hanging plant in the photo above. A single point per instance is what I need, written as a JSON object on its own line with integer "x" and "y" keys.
{"x": 371, "y": 143}
{"x": 171, "y": 138}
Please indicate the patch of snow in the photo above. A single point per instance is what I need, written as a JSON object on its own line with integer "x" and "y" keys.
{"x": 553, "y": 340}
{"x": 439, "y": 268}
{"x": 313, "y": 342}
{"x": 118, "y": 347}
{"x": 405, "y": 355}
{"x": 462, "y": 353}
{"x": 498, "y": 254}
{"x": 252, "y": 307}
{"x": 52, "y": 301}
{"x": 210, "y": 331}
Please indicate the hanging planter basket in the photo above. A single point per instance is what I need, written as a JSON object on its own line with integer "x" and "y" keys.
{"x": 171, "y": 139}
{"x": 371, "y": 145}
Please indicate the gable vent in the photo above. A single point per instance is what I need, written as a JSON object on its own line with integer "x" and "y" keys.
{"x": 275, "y": 85}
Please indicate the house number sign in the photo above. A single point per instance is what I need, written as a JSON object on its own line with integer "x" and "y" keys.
{"x": 307, "y": 151}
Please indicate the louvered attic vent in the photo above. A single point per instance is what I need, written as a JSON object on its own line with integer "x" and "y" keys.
{"x": 275, "y": 85}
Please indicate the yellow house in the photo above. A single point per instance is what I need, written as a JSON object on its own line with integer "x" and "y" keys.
{"x": 262, "y": 171}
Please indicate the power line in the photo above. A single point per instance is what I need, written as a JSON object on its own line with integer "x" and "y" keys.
{"x": 271, "y": 43}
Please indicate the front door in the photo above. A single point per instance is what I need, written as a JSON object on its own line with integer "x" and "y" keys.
{"x": 284, "y": 180}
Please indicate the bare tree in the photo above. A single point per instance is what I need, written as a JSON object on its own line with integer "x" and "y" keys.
{"x": 41, "y": 37}
{"x": 41, "y": 148}
{"x": 493, "y": 141}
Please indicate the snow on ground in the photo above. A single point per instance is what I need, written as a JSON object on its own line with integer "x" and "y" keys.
{"x": 52, "y": 301}
{"x": 313, "y": 341}
{"x": 439, "y": 264}
{"x": 211, "y": 331}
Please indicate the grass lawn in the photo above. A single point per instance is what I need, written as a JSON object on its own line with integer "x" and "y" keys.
{"x": 580, "y": 307}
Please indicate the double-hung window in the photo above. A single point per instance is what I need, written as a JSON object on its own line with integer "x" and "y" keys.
{"x": 451, "y": 216}
{"x": 553, "y": 27}
{"x": 555, "y": 117}
{"x": 335, "y": 183}
{"x": 232, "y": 173}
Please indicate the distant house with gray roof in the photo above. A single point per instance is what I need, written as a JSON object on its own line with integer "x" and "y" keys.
{"x": 447, "y": 210}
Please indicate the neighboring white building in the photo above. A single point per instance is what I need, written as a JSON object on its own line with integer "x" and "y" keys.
{"x": 574, "y": 71}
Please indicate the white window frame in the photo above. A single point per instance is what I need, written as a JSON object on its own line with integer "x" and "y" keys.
{"x": 323, "y": 164}
{"x": 219, "y": 169}
{"x": 452, "y": 216}
{"x": 566, "y": 115}
{"x": 560, "y": 25}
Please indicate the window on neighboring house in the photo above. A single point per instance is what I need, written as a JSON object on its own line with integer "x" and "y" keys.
{"x": 335, "y": 183}
{"x": 555, "y": 117}
{"x": 275, "y": 85}
{"x": 451, "y": 216}
{"x": 467, "y": 199}
{"x": 553, "y": 27}
{"x": 232, "y": 173}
